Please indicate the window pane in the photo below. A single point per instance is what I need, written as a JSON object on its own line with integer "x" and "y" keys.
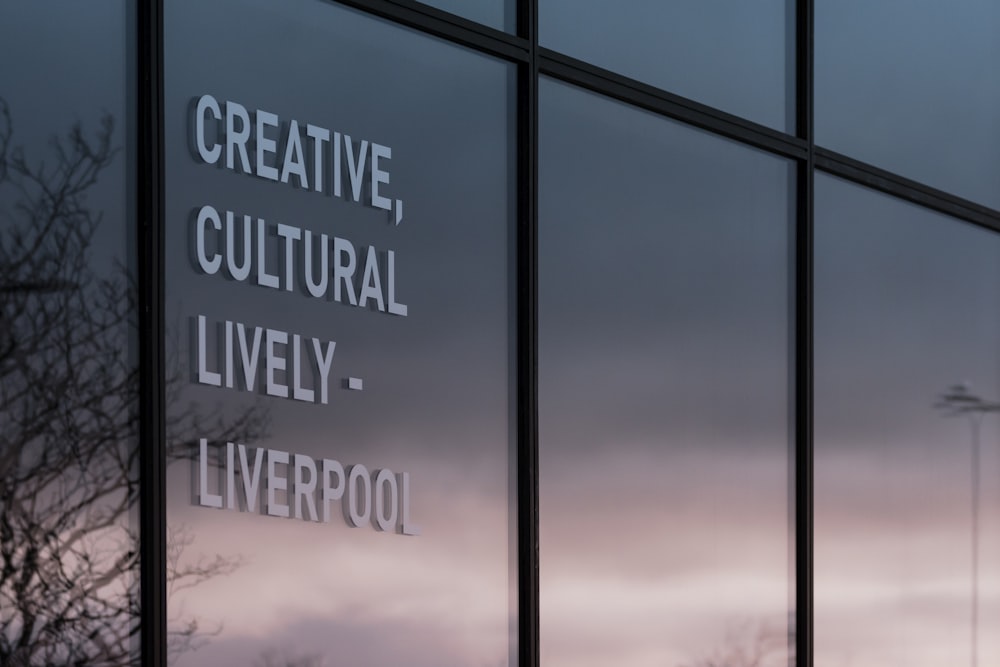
{"x": 499, "y": 14}
{"x": 737, "y": 56}
{"x": 663, "y": 390}
{"x": 907, "y": 307}
{"x": 366, "y": 313}
{"x": 907, "y": 86}
{"x": 68, "y": 385}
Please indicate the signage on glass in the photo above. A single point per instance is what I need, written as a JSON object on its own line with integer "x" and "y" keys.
{"x": 253, "y": 357}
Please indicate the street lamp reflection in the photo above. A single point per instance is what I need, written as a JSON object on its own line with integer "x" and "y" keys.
{"x": 957, "y": 401}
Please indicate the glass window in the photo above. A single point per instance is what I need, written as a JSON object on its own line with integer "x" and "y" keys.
{"x": 499, "y": 14}
{"x": 906, "y": 86}
{"x": 68, "y": 385}
{"x": 907, "y": 499}
{"x": 663, "y": 391}
{"x": 737, "y": 56}
{"x": 338, "y": 221}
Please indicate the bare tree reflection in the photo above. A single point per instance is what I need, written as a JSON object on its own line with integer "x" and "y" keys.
{"x": 274, "y": 658}
{"x": 752, "y": 644}
{"x": 68, "y": 420}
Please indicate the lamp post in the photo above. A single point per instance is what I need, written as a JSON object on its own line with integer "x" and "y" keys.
{"x": 956, "y": 401}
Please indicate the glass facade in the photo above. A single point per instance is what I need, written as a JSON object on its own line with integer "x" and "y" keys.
{"x": 498, "y": 14}
{"x": 513, "y": 332}
{"x": 920, "y": 102}
{"x": 907, "y": 500}
{"x": 354, "y": 351}
{"x": 69, "y": 476}
{"x": 663, "y": 387}
{"x": 737, "y": 56}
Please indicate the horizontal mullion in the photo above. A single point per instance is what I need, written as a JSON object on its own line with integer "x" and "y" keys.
{"x": 447, "y": 26}
{"x": 893, "y": 184}
{"x": 596, "y": 79}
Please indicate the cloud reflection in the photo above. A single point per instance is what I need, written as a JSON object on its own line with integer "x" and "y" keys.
{"x": 906, "y": 307}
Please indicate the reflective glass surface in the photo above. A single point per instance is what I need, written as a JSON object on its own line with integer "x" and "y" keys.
{"x": 737, "y": 56}
{"x": 68, "y": 384}
{"x": 663, "y": 391}
{"x": 499, "y": 14}
{"x": 907, "y": 434}
{"x": 910, "y": 87}
{"x": 338, "y": 212}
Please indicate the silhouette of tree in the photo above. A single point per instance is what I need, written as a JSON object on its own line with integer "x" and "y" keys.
{"x": 752, "y": 645}
{"x": 273, "y": 658}
{"x": 68, "y": 420}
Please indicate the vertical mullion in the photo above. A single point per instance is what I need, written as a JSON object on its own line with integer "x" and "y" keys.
{"x": 527, "y": 339}
{"x": 804, "y": 255}
{"x": 149, "y": 214}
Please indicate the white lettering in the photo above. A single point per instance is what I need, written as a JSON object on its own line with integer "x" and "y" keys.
{"x": 279, "y": 153}
{"x": 303, "y": 489}
{"x": 319, "y": 135}
{"x": 229, "y": 355}
{"x": 248, "y": 355}
{"x": 238, "y": 271}
{"x": 371, "y": 284}
{"x": 294, "y": 162}
{"x": 342, "y": 272}
{"x": 316, "y": 289}
{"x": 243, "y": 349}
{"x": 378, "y": 176}
{"x": 237, "y": 139}
{"x": 299, "y": 392}
{"x": 205, "y": 497}
{"x": 287, "y": 256}
{"x": 386, "y": 498}
{"x": 356, "y": 165}
{"x": 250, "y": 476}
{"x": 207, "y": 214}
{"x": 205, "y": 376}
{"x": 264, "y": 278}
{"x": 331, "y": 493}
{"x": 273, "y": 337}
{"x": 276, "y": 482}
{"x": 394, "y": 307}
{"x": 290, "y": 234}
{"x": 266, "y": 146}
{"x": 407, "y": 526}
{"x": 230, "y": 476}
{"x": 323, "y": 362}
{"x": 294, "y": 483}
{"x": 206, "y": 103}
{"x": 358, "y": 482}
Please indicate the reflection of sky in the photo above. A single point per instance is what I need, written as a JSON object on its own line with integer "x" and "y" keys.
{"x": 898, "y": 320}
{"x": 499, "y": 14}
{"x": 663, "y": 388}
{"x": 910, "y": 86}
{"x": 651, "y": 554}
{"x": 65, "y": 64}
{"x": 732, "y": 55}
{"x": 435, "y": 398}
{"x": 438, "y": 598}
{"x": 60, "y": 88}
